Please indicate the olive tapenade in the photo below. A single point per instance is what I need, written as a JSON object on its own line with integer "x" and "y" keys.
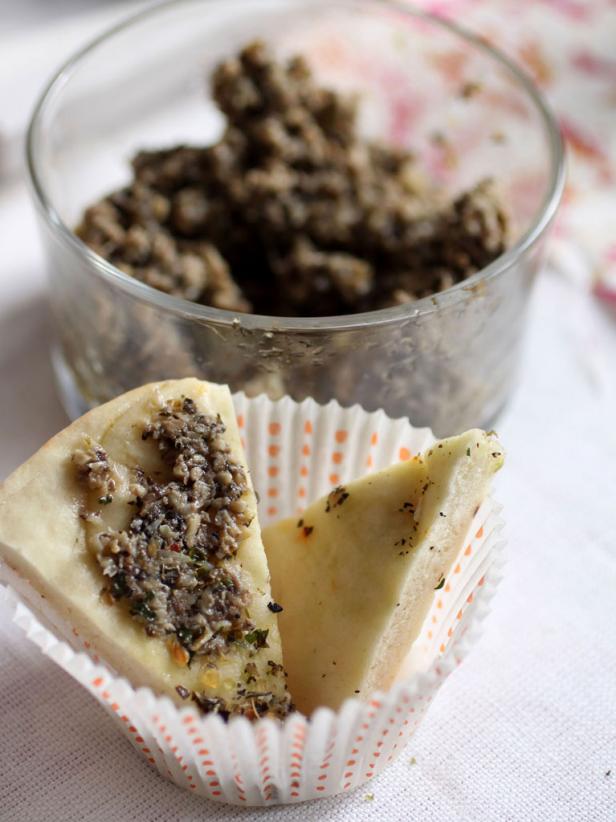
{"x": 166, "y": 564}
{"x": 173, "y": 565}
{"x": 292, "y": 212}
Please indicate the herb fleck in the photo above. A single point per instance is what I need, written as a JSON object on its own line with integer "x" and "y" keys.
{"x": 250, "y": 672}
{"x": 336, "y": 498}
{"x": 440, "y": 584}
{"x": 258, "y": 637}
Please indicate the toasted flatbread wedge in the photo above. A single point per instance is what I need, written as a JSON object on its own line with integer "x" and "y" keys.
{"x": 356, "y": 573}
{"x": 139, "y": 523}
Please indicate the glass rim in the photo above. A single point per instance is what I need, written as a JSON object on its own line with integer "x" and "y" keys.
{"x": 265, "y": 322}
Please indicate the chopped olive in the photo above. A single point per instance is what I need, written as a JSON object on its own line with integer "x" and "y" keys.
{"x": 119, "y": 586}
{"x": 143, "y": 610}
{"x": 274, "y": 607}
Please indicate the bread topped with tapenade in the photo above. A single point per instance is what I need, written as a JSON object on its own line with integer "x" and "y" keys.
{"x": 356, "y": 573}
{"x": 139, "y": 523}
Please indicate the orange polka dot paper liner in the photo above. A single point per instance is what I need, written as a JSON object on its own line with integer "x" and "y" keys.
{"x": 296, "y": 452}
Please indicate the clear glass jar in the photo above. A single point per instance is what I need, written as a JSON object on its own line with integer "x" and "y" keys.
{"x": 447, "y": 361}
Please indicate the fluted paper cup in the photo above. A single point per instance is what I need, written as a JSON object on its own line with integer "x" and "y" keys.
{"x": 296, "y": 452}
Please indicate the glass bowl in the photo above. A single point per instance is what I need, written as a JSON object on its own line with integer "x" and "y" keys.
{"x": 447, "y": 361}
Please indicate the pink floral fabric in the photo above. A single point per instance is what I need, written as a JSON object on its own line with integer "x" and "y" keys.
{"x": 569, "y": 48}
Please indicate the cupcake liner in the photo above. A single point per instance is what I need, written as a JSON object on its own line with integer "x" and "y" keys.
{"x": 296, "y": 452}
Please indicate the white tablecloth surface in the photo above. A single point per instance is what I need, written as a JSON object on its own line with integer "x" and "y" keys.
{"x": 524, "y": 730}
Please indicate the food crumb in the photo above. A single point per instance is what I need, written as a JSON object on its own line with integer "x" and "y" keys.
{"x": 368, "y": 797}
{"x": 412, "y": 761}
{"x": 470, "y": 89}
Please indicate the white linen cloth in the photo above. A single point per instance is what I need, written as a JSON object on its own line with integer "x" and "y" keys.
{"x": 524, "y": 730}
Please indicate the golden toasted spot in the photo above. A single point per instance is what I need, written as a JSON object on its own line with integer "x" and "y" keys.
{"x": 210, "y": 678}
